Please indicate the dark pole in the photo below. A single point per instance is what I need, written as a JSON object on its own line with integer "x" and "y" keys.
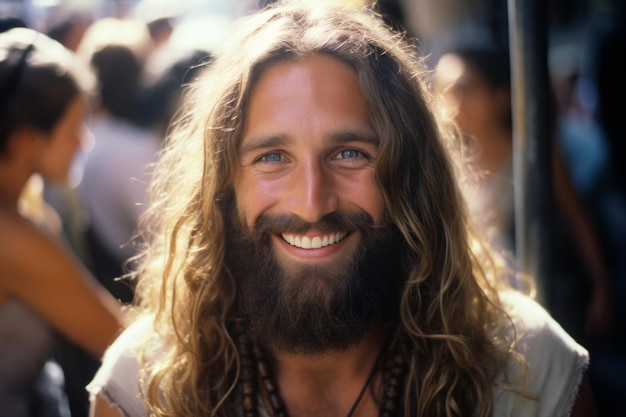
{"x": 532, "y": 149}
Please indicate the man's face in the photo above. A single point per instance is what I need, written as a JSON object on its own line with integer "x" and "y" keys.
{"x": 310, "y": 234}
{"x": 308, "y": 149}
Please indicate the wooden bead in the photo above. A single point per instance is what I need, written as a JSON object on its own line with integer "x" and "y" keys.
{"x": 249, "y": 388}
{"x": 248, "y": 374}
{"x": 269, "y": 385}
{"x": 394, "y": 382}
{"x": 254, "y": 366}
{"x": 276, "y": 402}
{"x": 390, "y": 406}
{"x": 249, "y": 403}
{"x": 263, "y": 369}
{"x": 392, "y": 392}
{"x": 398, "y": 359}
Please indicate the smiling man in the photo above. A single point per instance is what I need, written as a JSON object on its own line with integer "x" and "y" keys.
{"x": 309, "y": 251}
{"x": 312, "y": 248}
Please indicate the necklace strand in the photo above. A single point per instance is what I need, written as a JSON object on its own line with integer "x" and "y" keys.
{"x": 365, "y": 385}
{"x": 254, "y": 366}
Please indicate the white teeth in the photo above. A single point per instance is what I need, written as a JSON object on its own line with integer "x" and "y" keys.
{"x": 315, "y": 242}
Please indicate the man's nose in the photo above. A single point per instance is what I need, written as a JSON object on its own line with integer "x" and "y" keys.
{"x": 313, "y": 192}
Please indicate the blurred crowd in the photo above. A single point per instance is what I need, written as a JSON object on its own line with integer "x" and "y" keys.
{"x": 142, "y": 56}
{"x": 85, "y": 107}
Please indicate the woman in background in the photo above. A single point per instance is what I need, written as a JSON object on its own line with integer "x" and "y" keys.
{"x": 475, "y": 85}
{"x": 43, "y": 288}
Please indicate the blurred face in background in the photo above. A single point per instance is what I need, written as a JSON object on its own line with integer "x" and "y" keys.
{"x": 57, "y": 149}
{"x": 475, "y": 106}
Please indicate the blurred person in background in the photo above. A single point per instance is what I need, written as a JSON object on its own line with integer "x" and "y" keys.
{"x": 475, "y": 81}
{"x": 116, "y": 170}
{"x": 44, "y": 290}
{"x": 103, "y": 203}
{"x": 607, "y": 46}
{"x": 585, "y": 139}
{"x": 68, "y": 27}
{"x": 160, "y": 98}
{"x": 9, "y": 22}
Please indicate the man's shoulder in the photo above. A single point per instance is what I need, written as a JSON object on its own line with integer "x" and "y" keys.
{"x": 555, "y": 362}
{"x": 132, "y": 337}
{"x": 118, "y": 379}
{"x": 534, "y": 325}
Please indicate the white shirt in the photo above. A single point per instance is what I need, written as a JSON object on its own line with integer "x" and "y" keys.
{"x": 556, "y": 366}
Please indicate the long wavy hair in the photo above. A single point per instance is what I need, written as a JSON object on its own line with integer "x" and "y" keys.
{"x": 450, "y": 300}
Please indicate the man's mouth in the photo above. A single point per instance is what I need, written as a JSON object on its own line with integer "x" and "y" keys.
{"x": 313, "y": 242}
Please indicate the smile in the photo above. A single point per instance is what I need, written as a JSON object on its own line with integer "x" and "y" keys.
{"x": 315, "y": 242}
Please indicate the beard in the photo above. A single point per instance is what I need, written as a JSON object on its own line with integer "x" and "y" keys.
{"x": 312, "y": 308}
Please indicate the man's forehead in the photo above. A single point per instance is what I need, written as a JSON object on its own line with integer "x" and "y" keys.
{"x": 339, "y": 137}
{"x": 319, "y": 93}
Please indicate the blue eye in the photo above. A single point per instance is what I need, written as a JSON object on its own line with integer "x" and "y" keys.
{"x": 349, "y": 154}
{"x": 271, "y": 157}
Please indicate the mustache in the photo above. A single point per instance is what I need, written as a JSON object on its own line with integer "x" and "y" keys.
{"x": 332, "y": 222}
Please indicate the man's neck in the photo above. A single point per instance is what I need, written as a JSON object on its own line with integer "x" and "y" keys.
{"x": 329, "y": 383}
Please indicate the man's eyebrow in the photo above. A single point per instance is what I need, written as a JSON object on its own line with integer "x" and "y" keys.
{"x": 357, "y": 135}
{"x": 254, "y": 144}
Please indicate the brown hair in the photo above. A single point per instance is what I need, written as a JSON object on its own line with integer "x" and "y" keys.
{"x": 39, "y": 78}
{"x": 451, "y": 294}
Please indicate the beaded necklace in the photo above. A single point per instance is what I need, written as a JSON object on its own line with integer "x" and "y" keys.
{"x": 254, "y": 366}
